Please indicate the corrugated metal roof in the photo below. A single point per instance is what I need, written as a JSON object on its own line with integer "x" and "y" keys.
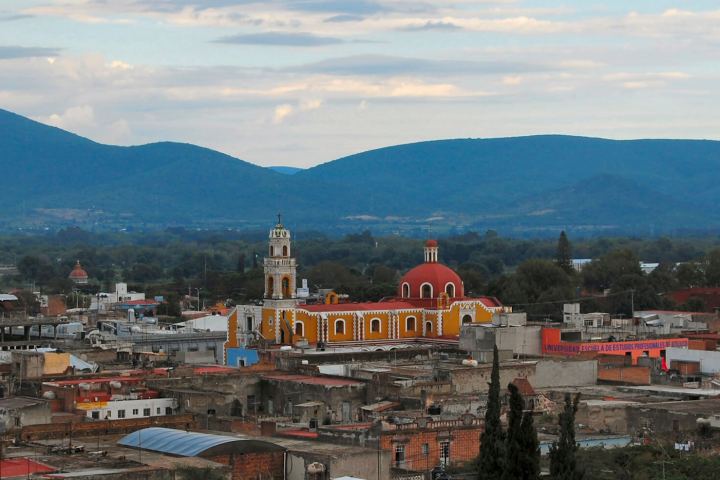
{"x": 5, "y": 297}
{"x": 188, "y": 444}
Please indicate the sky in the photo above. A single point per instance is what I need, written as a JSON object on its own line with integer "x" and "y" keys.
{"x": 302, "y": 82}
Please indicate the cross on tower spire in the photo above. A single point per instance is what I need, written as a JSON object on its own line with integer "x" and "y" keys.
{"x": 279, "y": 219}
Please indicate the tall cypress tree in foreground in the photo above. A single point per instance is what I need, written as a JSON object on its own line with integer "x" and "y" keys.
{"x": 563, "y": 464}
{"x": 492, "y": 451}
{"x": 564, "y": 253}
{"x": 514, "y": 443}
{"x": 530, "y": 460}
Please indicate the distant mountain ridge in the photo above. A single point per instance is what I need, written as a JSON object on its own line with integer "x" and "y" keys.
{"x": 286, "y": 170}
{"x": 535, "y": 182}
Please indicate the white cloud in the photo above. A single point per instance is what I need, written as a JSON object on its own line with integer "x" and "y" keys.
{"x": 75, "y": 118}
{"x": 282, "y": 112}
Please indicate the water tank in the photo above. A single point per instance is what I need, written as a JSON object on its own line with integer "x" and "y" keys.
{"x": 115, "y": 384}
{"x": 285, "y": 348}
{"x": 470, "y": 362}
{"x": 48, "y": 395}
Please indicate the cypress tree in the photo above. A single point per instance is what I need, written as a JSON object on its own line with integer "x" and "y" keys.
{"x": 563, "y": 464}
{"x": 530, "y": 461}
{"x": 492, "y": 451}
{"x": 564, "y": 253}
{"x": 514, "y": 443}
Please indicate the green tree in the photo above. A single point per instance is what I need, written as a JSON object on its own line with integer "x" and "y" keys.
{"x": 563, "y": 256}
{"x": 563, "y": 461}
{"x": 530, "y": 460}
{"x": 712, "y": 268}
{"x": 513, "y": 442}
{"x": 491, "y": 459}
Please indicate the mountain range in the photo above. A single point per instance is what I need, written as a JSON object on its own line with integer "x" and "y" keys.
{"x": 522, "y": 184}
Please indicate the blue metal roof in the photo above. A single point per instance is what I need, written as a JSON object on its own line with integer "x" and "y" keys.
{"x": 175, "y": 442}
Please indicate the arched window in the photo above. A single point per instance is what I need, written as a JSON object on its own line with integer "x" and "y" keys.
{"x": 450, "y": 289}
{"x": 410, "y": 324}
{"x": 466, "y": 319}
{"x": 286, "y": 287}
{"x": 272, "y": 251}
{"x": 406, "y": 290}
{"x": 285, "y": 251}
{"x": 270, "y": 285}
{"x": 426, "y": 291}
{"x": 340, "y": 327}
{"x": 299, "y": 329}
{"x": 428, "y": 327}
{"x": 375, "y": 325}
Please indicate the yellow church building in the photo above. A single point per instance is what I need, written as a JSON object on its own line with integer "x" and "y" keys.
{"x": 430, "y": 303}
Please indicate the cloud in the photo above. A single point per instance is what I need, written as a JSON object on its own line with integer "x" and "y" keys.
{"x": 14, "y": 51}
{"x": 344, "y": 18}
{"x": 280, "y": 39}
{"x": 351, "y": 7}
{"x": 76, "y": 118}
{"x": 391, "y": 65}
{"x": 282, "y": 112}
{"x": 644, "y": 80}
{"x": 10, "y": 17}
{"x": 432, "y": 25}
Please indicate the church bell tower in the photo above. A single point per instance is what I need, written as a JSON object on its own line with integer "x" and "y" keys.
{"x": 280, "y": 268}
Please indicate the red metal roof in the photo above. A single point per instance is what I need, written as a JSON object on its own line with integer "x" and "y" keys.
{"x": 299, "y": 433}
{"x": 310, "y": 380}
{"x": 213, "y": 369}
{"x": 351, "y": 307}
{"x": 22, "y": 468}
{"x": 62, "y": 383}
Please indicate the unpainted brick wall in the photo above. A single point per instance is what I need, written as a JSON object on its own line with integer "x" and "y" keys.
{"x": 464, "y": 446}
{"x": 628, "y": 375}
{"x": 254, "y": 466}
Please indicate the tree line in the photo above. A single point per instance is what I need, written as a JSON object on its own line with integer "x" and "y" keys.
{"x": 535, "y": 276}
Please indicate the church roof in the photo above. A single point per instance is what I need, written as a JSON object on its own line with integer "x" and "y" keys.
{"x": 78, "y": 272}
{"x": 358, "y": 307}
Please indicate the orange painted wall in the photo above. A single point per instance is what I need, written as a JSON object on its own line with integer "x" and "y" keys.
{"x": 384, "y": 327}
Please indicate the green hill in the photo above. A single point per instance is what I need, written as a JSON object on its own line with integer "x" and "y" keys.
{"x": 53, "y": 178}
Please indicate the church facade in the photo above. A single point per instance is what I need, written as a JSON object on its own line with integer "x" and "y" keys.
{"x": 430, "y": 303}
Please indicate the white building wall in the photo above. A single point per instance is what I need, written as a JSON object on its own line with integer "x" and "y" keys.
{"x": 121, "y": 409}
{"x": 709, "y": 360}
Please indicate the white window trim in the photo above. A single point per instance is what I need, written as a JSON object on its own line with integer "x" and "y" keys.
{"x": 431, "y": 290}
{"x": 454, "y": 287}
{"x": 402, "y": 290}
{"x": 339, "y": 320}
{"x": 379, "y": 330}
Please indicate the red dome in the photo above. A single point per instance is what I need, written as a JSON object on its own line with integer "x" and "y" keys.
{"x": 431, "y": 243}
{"x": 435, "y": 274}
{"x": 78, "y": 272}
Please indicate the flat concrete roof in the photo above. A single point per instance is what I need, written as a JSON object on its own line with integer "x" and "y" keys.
{"x": 708, "y": 406}
{"x": 669, "y": 391}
